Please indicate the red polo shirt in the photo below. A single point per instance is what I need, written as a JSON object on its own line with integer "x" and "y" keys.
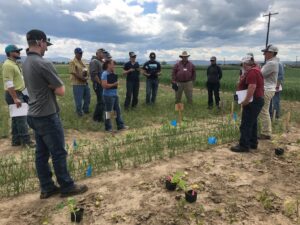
{"x": 253, "y": 76}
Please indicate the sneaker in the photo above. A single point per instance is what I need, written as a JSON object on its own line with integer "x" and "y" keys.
{"x": 264, "y": 137}
{"x": 48, "y": 194}
{"x": 239, "y": 148}
{"x": 123, "y": 128}
{"x": 76, "y": 190}
{"x": 209, "y": 107}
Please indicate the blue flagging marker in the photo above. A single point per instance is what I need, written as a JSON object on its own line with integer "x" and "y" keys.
{"x": 174, "y": 123}
{"x": 75, "y": 145}
{"x": 212, "y": 140}
{"x": 89, "y": 171}
{"x": 235, "y": 116}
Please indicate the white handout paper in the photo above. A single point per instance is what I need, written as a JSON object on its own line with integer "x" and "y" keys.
{"x": 242, "y": 95}
{"x": 21, "y": 111}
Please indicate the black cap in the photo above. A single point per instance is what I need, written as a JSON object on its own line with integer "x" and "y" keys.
{"x": 152, "y": 55}
{"x": 132, "y": 54}
{"x": 37, "y": 35}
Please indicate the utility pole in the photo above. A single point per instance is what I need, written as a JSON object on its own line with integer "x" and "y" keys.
{"x": 269, "y": 15}
{"x": 296, "y": 60}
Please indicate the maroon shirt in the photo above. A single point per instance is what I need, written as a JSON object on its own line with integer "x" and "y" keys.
{"x": 183, "y": 72}
{"x": 253, "y": 76}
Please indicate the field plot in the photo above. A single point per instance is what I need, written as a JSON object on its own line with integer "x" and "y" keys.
{"x": 126, "y": 172}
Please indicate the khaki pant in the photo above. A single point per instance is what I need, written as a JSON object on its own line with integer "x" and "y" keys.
{"x": 187, "y": 87}
{"x": 264, "y": 117}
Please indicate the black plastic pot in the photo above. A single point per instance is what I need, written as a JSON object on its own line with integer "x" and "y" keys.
{"x": 170, "y": 186}
{"x": 77, "y": 216}
{"x": 191, "y": 196}
{"x": 279, "y": 151}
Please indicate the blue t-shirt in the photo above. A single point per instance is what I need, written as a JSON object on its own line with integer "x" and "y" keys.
{"x": 108, "y": 92}
{"x": 152, "y": 67}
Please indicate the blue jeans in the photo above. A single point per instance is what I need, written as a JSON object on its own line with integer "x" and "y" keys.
{"x": 19, "y": 127}
{"x": 112, "y": 104}
{"x": 49, "y": 137}
{"x": 99, "y": 109}
{"x": 151, "y": 90}
{"x": 275, "y": 105}
{"x": 82, "y": 92}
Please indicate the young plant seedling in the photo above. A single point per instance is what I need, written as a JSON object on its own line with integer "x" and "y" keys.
{"x": 71, "y": 202}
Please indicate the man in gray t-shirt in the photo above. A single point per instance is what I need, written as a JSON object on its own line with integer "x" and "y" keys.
{"x": 41, "y": 79}
{"x": 43, "y": 85}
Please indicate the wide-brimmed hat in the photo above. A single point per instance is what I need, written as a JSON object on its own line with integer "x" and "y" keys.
{"x": 184, "y": 54}
{"x": 270, "y": 48}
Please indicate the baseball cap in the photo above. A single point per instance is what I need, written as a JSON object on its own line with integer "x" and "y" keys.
{"x": 247, "y": 59}
{"x": 152, "y": 55}
{"x": 270, "y": 48}
{"x": 37, "y": 35}
{"x": 213, "y": 58}
{"x": 12, "y": 48}
{"x": 132, "y": 54}
{"x": 78, "y": 50}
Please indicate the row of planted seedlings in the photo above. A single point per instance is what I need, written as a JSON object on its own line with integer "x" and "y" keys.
{"x": 88, "y": 158}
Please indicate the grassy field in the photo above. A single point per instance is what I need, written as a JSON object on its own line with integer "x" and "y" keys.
{"x": 146, "y": 116}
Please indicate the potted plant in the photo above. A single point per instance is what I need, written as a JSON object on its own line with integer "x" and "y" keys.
{"x": 76, "y": 213}
{"x": 176, "y": 180}
{"x": 191, "y": 195}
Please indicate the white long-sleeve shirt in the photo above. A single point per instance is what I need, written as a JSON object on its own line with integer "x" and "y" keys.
{"x": 270, "y": 73}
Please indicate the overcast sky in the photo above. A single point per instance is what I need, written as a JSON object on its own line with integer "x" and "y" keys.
{"x": 224, "y": 28}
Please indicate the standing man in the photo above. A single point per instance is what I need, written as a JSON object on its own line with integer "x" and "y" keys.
{"x": 253, "y": 82}
{"x": 214, "y": 75}
{"x": 79, "y": 79}
{"x": 184, "y": 75}
{"x": 270, "y": 74}
{"x": 14, "y": 85}
{"x": 275, "y": 102}
{"x": 43, "y": 85}
{"x": 95, "y": 72}
{"x": 131, "y": 70}
{"x": 151, "y": 70}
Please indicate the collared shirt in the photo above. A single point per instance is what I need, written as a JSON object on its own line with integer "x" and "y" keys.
{"x": 270, "y": 73}
{"x": 76, "y": 66}
{"x": 11, "y": 71}
{"x": 39, "y": 74}
{"x": 183, "y": 72}
{"x": 253, "y": 76}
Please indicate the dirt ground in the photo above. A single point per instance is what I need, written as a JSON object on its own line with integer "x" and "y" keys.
{"x": 256, "y": 188}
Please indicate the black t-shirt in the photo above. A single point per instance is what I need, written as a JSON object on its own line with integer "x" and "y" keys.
{"x": 132, "y": 76}
{"x": 112, "y": 78}
{"x": 152, "y": 67}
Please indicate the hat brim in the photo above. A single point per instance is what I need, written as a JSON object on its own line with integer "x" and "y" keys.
{"x": 49, "y": 43}
{"x": 19, "y": 49}
{"x": 184, "y": 56}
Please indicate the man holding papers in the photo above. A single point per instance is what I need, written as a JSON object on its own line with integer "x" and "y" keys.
{"x": 13, "y": 86}
{"x": 253, "y": 82}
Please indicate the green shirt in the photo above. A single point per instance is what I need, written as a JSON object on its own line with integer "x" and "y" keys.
{"x": 11, "y": 71}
